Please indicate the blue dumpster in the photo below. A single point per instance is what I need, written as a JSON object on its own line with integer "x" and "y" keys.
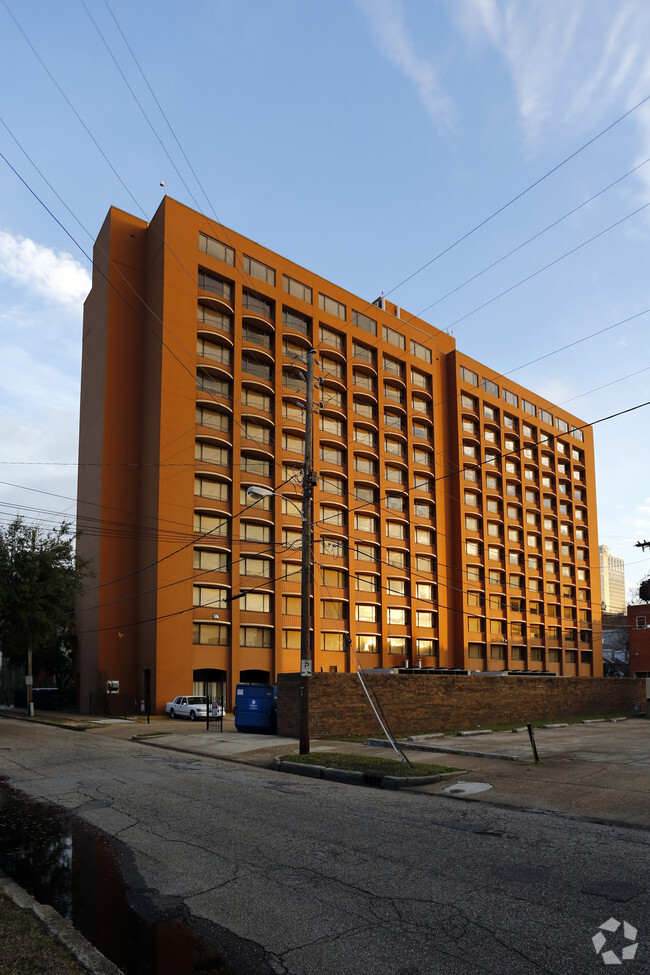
{"x": 256, "y": 708}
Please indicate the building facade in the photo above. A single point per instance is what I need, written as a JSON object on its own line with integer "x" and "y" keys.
{"x": 638, "y": 622}
{"x": 454, "y": 512}
{"x": 612, "y": 581}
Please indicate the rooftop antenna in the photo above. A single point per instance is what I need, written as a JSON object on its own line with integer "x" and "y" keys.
{"x": 162, "y": 183}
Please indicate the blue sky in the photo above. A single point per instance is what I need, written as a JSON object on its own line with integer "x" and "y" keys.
{"x": 360, "y": 138}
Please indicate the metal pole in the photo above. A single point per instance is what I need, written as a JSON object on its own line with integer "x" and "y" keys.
{"x": 306, "y": 573}
{"x": 30, "y": 684}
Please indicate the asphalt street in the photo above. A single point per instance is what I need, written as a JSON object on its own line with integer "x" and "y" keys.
{"x": 308, "y": 877}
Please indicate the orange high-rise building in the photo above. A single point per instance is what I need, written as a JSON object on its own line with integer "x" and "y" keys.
{"x": 454, "y": 511}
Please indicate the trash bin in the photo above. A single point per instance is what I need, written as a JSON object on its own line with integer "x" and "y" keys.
{"x": 256, "y": 708}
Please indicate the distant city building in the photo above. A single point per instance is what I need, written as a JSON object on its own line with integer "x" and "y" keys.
{"x": 612, "y": 582}
{"x": 454, "y": 511}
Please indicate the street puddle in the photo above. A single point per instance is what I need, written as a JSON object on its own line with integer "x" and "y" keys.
{"x": 62, "y": 862}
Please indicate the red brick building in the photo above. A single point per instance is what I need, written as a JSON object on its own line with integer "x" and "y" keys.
{"x": 638, "y": 621}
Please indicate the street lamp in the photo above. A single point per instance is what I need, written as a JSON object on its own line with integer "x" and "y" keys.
{"x": 308, "y": 481}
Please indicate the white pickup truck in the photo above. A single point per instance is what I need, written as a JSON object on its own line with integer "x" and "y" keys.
{"x": 191, "y": 707}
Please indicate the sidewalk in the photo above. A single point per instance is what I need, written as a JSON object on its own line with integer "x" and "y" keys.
{"x": 599, "y": 770}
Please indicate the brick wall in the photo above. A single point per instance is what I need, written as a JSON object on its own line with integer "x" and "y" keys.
{"x": 417, "y": 703}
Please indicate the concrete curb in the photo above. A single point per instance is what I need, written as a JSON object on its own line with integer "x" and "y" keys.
{"x": 360, "y": 778}
{"x": 86, "y": 954}
{"x": 381, "y": 742}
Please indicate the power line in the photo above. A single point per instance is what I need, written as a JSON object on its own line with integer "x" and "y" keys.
{"x": 519, "y": 196}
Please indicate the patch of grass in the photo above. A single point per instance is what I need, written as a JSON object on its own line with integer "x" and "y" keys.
{"x": 368, "y": 763}
{"x": 28, "y": 948}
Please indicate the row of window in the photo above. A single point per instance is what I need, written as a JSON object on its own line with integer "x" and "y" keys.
{"x": 218, "y": 560}
{"x": 490, "y": 412}
{"x": 511, "y": 444}
{"x": 216, "y": 385}
{"x": 215, "y": 419}
{"x": 500, "y": 651}
{"x": 218, "y": 597}
{"x": 215, "y": 634}
{"x": 530, "y": 495}
{"x": 474, "y": 523}
{"x": 297, "y": 289}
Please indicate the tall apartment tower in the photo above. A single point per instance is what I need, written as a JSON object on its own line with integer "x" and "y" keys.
{"x": 454, "y": 512}
{"x": 612, "y": 582}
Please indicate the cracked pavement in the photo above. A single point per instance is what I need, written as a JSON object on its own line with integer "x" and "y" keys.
{"x": 307, "y": 877}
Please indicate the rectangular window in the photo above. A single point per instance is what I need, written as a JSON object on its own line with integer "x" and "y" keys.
{"x": 423, "y": 563}
{"x": 254, "y": 531}
{"x": 294, "y": 320}
{"x": 331, "y": 306}
{"x": 426, "y": 648}
{"x": 212, "y": 634}
{"x": 208, "y": 560}
{"x": 334, "y": 578}
{"x": 396, "y": 558}
{"x": 490, "y": 387}
{"x": 291, "y": 605}
{"x": 420, "y": 351}
{"x": 333, "y": 609}
{"x": 255, "y": 465}
{"x": 210, "y": 596}
{"x": 256, "y": 602}
{"x": 366, "y": 583}
{"x": 365, "y": 523}
{"x": 365, "y": 553}
{"x": 396, "y": 587}
{"x": 366, "y": 643}
{"x": 218, "y": 490}
{"x": 213, "y": 455}
{"x": 468, "y": 376}
{"x": 366, "y": 494}
{"x": 215, "y": 285}
{"x": 397, "y": 616}
{"x": 256, "y": 568}
{"x": 331, "y": 485}
{"x": 296, "y": 289}
{"x": 293, "y": 443}
{"x": 258, "y": 270}
{"x": 332, "y": 642}
{"x": 393, "y": 367}
{"x": 424, "y": 618}
{"x": 215, "y": 526}
{"x": 206, "y": 383}
{"x": 395, "y": 338}
{"x": 329, "y": 337}
{"x": 365, "y": 465}
{"x": 329, "y": 424}
{"x": 291, "y": 639}
{"x": 332, "y": 546}
{"x": 362, "y": 352}
{"x": 214, "y": 247}
{"x": 255, "y": 636}
{"x": 332, "y": 516}
{"x": 331, "y": 455}
{"x": 362, "y": 321}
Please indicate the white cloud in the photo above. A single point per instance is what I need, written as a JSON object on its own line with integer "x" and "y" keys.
{"x": 395, "y": 43}
{"x": 54, "y": 275}
{"x": 572, "y": 64}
